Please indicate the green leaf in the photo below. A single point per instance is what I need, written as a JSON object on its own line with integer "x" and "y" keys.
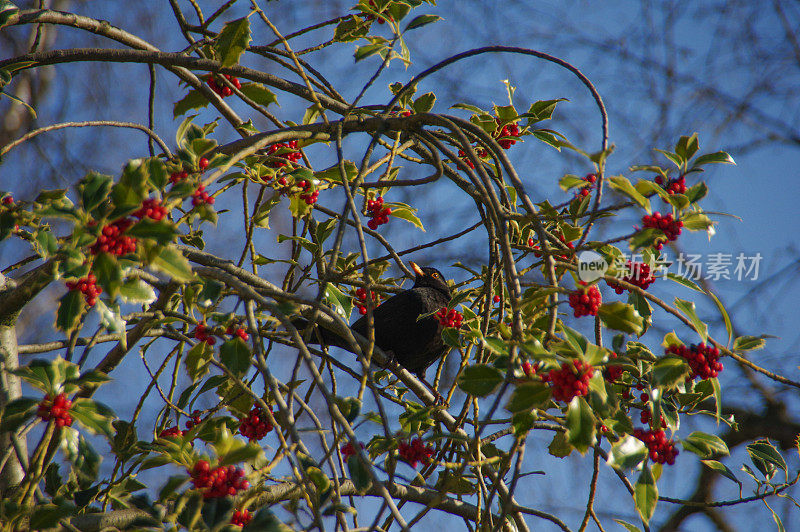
{"x": 232, "y": 41}
{"x": 716, "y": 157}
{"x": 7, "y": 10}
{"x": 162, "y": 231}
{"x": 422, "y": 20}
{"x": 764, "y": 453}
{"x": 16, "y": 413}
{"x": 624, "y": 186}
{"x": 705, "y": 445}
{"x": 645, "y": 494}
{"x": 48, "y": 245}
{"x": 194, "y": 99}
{"x": 264, "y": 521}
{"x": 405, "y": 212}
{"x": 571, "y": 181}
{"x": 627, "y": 453}
{"x": 688, "y": 283}
{"x": 47, "y": 516}
{"x": 688, "y": 309}
{"x": 236, "y": 356}
{"x": 350, "y": 407}
{"x": 497, "y": 346}
{"x": 359, "y": 473}
{"x": 424, "y": 103}
{"x": 94, "y": 189}
{"x": 528, "y": 396}
{"x": 259, "y": 93}
{"x": 198, "y": 359}
{"x": 137, "y": 291}
{"x": 669, "y": 371}
{"x": 559, "y": 446}
{"x": 172, "y": 262}
{"x": 171, "y": 486}
{"x": 350, "y": 29}
{"x": 687, "y": 146}
{"x": 749, "y": 343}
{"x": 621, "y": 317}
{"x": 725, "y": 317}
{"x": 69, "y": 311}
{"x": 339, "y": 301}
{"x": 629, "y": 527}
{"x": 94, "y": 416}
{"x": 480, "y": 380}
{"x": 541, "y": 110}
{"x": 108, "y": 272}
{"x": 580, "y": 424}
{"x": 722, "y": 469}
{"x": 696, "y": 193}
{"x": 696, "y": 221}
{"x": 674, "y": 158}
{"x": 334, "y": 175}
{"x": 362, "y": 52}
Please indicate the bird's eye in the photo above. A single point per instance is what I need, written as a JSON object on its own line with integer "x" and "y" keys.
{"x": 435, "y": 275}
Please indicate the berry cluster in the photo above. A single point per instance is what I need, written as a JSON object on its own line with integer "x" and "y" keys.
{"x": 201, "y": 333}
{"x": 480, "y": 152}
{"x": 256, "y": 425}
{"x": 638, "y": 273}
{"x": 195, "y": 420}
{"x": 669, "y": 226}
{"x": 293, "y": 155}
{"x": 200, "y": 196}
{"x": 171, "y": 432}
{"x": 309, "y": 195}
{"x": 175, "y": 177}
{"x": 585, "y": 302}
{"x": 241, "y": 517}
{"x": 673, "y": 186}
{"x": 151, "y": 208}
{"x": 415, "y": 452}
{"x": 56, "y": 409}
{"x": 8, "y": 200}
{"x": 113, "y": 239}
{"x": 702, "y": 358}
{"x": 379, "y": 213}
{"x": 450, "y": 317}
{"x": 613, "y": 372}
{"x": 530, "y": 369}
{"x": 220, "y": 88}
{"x": 585, "y": 191}
{"x": 348, "y": 450}
{"x": 572, "y": 380}
{"x": 646, "y": 417}
{"x": 565, "y": 258}
{"x": 88, "y": 286}
{"x": 662, "y": 450}
{"x": 360, "y": 300}
{"x": 508, "y": 130}
{"x": 237, "y": 331}
{"x": 219, "y": 481}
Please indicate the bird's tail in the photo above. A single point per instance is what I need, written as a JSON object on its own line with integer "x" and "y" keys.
{"x": 320, "y": 335}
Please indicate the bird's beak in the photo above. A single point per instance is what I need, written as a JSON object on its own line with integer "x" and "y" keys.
{"x": 416, "y": 268}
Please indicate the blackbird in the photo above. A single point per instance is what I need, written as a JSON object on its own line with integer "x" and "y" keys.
{"x": 413, "y": 344}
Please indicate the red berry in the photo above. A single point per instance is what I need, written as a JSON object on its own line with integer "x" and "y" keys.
{"x": 203, "y": 162}
{"x": 585, "y": 303}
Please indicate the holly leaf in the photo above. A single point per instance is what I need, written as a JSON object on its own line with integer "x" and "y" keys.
{"x": 480, "y": 380}
{"x": 645, "y": 494}
{"x": 232, "y": 41}
{"x": 621, "y": 317}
